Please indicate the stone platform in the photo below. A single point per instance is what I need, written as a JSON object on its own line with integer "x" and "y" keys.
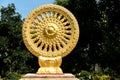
{"x": 32, "y": 76}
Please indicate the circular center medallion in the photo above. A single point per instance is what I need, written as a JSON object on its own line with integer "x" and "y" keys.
{"x": 51, "y": 30}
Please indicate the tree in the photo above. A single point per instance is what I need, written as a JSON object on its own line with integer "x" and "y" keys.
{"x": 87, "y": 51}
{"x": 110, "y": 10}
{"x": 13, "y": 54}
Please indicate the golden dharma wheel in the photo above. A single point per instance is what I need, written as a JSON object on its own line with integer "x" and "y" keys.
{"x": 50, "y": 31}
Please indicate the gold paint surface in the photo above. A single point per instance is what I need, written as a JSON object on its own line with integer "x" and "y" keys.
{"x": 50, "y": 65}
{"x": 50, "y": 31}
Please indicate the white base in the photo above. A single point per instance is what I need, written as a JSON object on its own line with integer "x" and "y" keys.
{"x": 32, "y": 76}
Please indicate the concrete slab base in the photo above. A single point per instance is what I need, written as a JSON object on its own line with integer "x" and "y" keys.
{"x": 32, "y": 76}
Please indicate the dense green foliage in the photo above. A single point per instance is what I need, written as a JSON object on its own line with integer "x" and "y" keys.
{"x": 99, "y": 40}
{"x": 110, "y": 25}
{"x": 14, "y": 57}
{"x": 12, "y": 76}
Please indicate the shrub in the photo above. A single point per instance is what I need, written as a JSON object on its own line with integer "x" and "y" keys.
{"x": 83, "y": 75}
{"x": 103, "y": 77}
{"x": 12, "y": 76}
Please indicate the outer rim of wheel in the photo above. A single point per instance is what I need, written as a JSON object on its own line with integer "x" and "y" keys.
{"x": 55, "y": 33}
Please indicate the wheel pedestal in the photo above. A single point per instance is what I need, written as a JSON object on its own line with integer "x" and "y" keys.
{"x": 49, "y": 65}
